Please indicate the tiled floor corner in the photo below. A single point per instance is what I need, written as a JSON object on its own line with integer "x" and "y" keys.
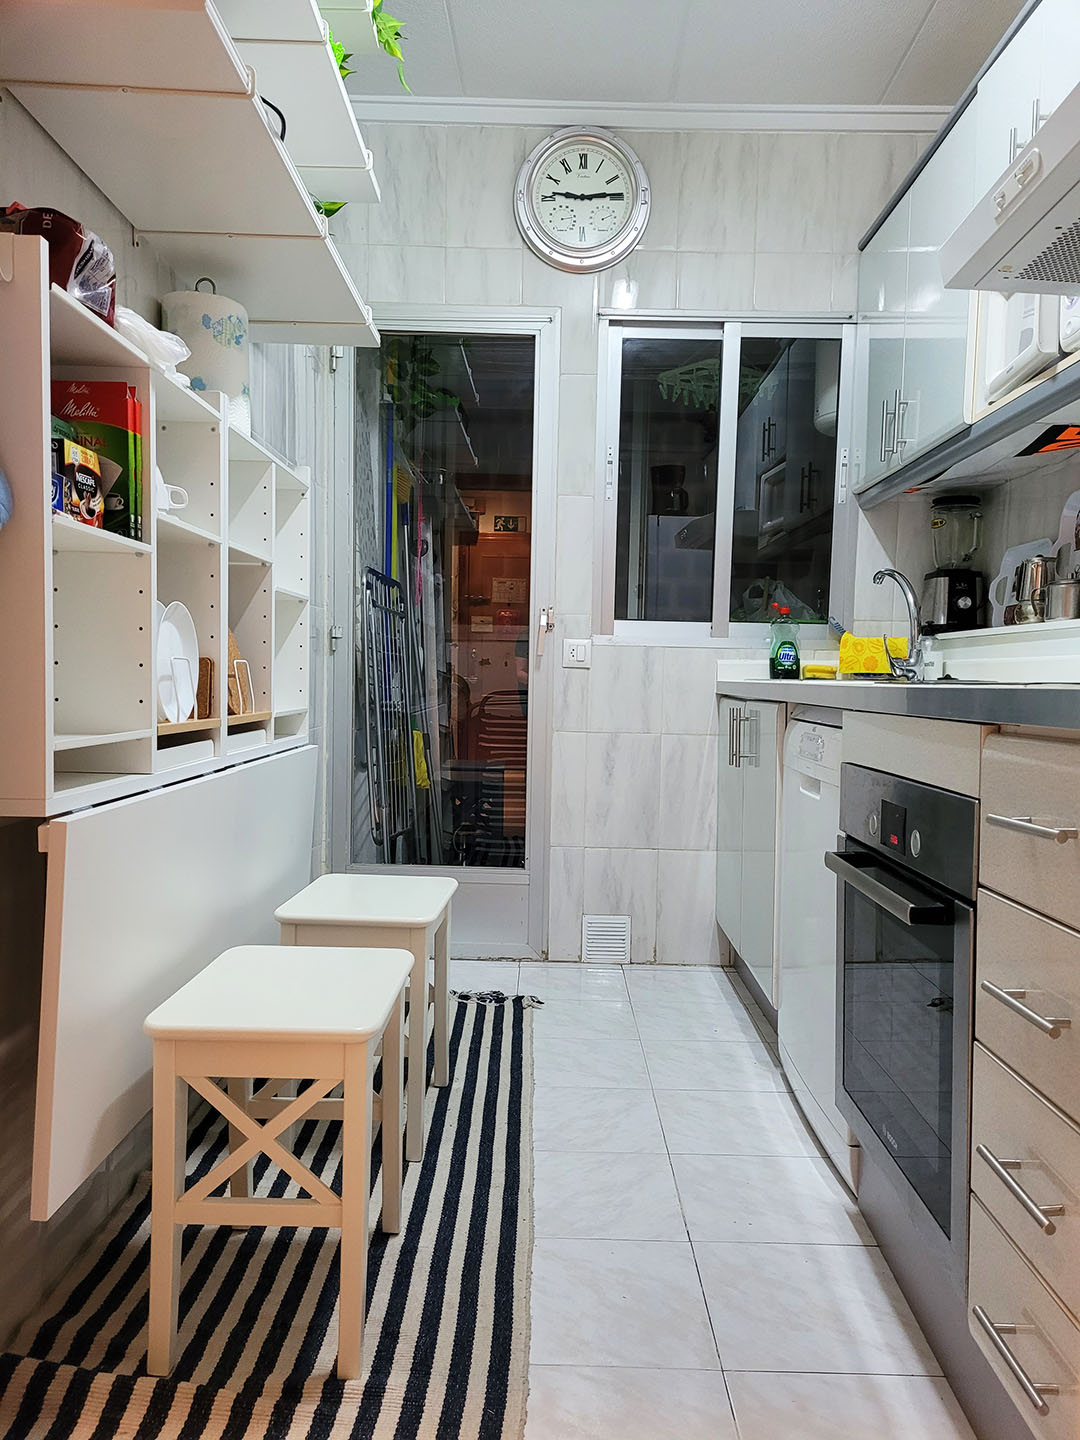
{"x": 699, "y": 1273}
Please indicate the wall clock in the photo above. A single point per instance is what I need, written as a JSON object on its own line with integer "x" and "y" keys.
{"x": 582, "y": 199}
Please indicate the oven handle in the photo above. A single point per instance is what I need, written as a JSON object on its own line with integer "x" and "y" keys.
{"x": 929, "y": 912}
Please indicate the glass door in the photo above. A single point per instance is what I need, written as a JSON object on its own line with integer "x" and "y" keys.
{"x": 445, "y": 636}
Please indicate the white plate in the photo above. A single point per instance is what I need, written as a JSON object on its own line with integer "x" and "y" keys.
{"x": 177, "y": 663}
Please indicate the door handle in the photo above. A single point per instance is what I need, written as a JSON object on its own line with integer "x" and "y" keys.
{"x": 547, "y": 623}
{"x": 734, "y": 721}
{"x": 1027, "y": 826}
{"x": 923, "y": 911}
{"x": 994, "y": 1333}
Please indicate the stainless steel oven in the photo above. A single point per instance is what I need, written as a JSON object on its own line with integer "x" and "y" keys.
{"x": 906, "y": 863}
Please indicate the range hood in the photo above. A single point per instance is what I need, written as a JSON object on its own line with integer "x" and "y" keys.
{"x": 1024, "y": 234}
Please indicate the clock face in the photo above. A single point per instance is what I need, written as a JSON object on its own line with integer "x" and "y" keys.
{"x": 582, "y": 200}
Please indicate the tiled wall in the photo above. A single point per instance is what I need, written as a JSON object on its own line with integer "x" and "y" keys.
{"x": 740, "y": 221}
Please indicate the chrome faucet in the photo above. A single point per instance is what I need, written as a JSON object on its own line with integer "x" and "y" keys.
{"x": 912, "y": 667}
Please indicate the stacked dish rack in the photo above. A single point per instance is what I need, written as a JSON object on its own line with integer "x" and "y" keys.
{"x": 78, "y": 668}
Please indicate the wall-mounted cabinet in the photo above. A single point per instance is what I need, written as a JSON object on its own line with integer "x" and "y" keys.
{"x": 224, "y": 532}
{"x": 915, "y": 337}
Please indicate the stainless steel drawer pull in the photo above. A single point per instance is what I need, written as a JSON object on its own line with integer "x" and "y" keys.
{"x": 994, "y": 1333}
{"x": 1014, "y": 1000}
{"x": 1027, "y": 826}
{"x": 1039, "y": 1213}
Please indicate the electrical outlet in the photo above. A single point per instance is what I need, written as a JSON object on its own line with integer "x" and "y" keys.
{"x": 576, "y": 654}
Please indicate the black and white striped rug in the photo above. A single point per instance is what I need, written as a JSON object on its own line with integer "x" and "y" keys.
{"x": 447, "y": 1340}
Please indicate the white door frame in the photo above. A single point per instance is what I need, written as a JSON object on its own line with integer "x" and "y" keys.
{"x": 492, "y": 903}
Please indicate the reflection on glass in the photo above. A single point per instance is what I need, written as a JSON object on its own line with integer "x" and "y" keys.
{"x": 667, "y": 479}
{"x": 442, "y": 620}
{"x": 785, "y": 464}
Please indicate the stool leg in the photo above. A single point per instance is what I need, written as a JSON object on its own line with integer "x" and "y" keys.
{"x": 169, "y": 1165}
{"x": 392, "y": 1084}
{"x": 442, "y": 1002}
{"x": 240, "y": 1184}
{"x": 418, "y": 1033}
{"x": 355, "y": 1161}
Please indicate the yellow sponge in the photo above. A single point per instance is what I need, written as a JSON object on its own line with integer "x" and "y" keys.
{"x": 861, "y": 655}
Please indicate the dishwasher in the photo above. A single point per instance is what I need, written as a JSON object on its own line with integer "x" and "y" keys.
{"x": 810, "y": 820}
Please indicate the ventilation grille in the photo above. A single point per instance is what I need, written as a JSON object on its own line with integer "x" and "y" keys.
{"x": 605, "y": 939}
{"x": 1059, "y": 262}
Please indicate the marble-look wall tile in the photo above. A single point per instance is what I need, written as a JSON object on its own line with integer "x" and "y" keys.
{"x": 410, "y": 161}
{"x": 869, "y": 169}
{"x": 875, "y": 550}
{"x": 715, "y": 282}
{"x": 718, "y": 185}
{"x": 622, "y": 799}
{"x": 793, "y": 283}
{"x": 568, "y": 788}
{"x": 481, "y": 162}
{"x": 578, "y": 297}
{"x": 796, "y": 204}
{"x": 659, "y": 151}
{"x": 686, "y": 931}
{"x": 689, "y": 691}
{"x": 574, "y": 555}
{"x": 845, "y": 282}
{"x": 483, "y": 277}
{"x": 565, "y": 902}
{"x": 407, "y": 274}
{"x": 626, "y": 688}
{"x": 655, "y": 273}
{"x": 355, "y": 258}
{"x": 623, "y": 882}
{"x": 577, "y": 435}
{"x": 688, "y": 792}
{"x": 571, "y": 701}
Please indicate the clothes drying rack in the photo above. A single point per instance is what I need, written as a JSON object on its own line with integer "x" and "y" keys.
{"x": 388, "y": 715}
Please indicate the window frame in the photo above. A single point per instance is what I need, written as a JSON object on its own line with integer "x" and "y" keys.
{"x": 731, "y": 331}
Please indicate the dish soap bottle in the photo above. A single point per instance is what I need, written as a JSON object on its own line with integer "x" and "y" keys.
{"x": 784, "y": 651}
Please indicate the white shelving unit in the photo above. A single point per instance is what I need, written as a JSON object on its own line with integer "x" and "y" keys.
{"x": 141, "y": 116}
{"x": 78, "y": 665}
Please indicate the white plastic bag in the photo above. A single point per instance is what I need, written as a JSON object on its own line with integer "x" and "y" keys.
{"x": 164, "y": 349}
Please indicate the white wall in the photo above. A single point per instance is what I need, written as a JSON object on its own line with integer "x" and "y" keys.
{"x": 740, "y": 221}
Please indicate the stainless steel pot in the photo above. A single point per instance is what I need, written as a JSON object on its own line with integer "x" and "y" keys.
{"x": 1033, "y": 576}
{"x": 1063, "y": 600}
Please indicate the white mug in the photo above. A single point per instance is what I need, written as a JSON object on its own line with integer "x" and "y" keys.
{"x": 168, "y": 497}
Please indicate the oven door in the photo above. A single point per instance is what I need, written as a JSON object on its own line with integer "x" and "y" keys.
{"x": 903, "y": 1032}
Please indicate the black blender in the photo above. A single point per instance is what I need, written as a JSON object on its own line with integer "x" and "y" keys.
{"x": 954, "y": 593}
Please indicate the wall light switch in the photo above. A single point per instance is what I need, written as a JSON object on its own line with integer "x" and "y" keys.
{"x": 576, "y": 654}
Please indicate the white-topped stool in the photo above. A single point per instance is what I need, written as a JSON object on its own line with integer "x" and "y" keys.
{"x": 313, "y": 1014}
{"x": 408, "y": 910}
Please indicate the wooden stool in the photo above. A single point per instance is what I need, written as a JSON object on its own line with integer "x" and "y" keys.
{"x": 308, "y": 1014}
{"x": 408, "y": 910}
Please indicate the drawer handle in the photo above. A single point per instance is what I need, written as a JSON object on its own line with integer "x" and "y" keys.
{"x": 994, "y": 1333}
{"x": 1027, "y": 826}
{"x": 1039, "y": 1213}
{"x": 1014, "y": 1000}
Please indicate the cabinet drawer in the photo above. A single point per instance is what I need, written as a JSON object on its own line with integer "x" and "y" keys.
{"x": 1040, "y": 1337}
{"x": 1011, "y": 1124}
{"x": 1038, "y": 781}
{"x": 1019, "y": 951}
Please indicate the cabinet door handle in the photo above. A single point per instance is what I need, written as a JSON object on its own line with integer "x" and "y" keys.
{"x": 764, "y": 440}
{"x": 1027, "y": 826}
{"x": 733, "y": 738}
{"x": 1041, "y": 1214}
{"x": 899, "y": 439}
{"x": 993, "y": 1333}
{"x": 886, "y": 449}
{"x": 1014, "y": 999}
{"x": 749, "y": 717}
{"x": 1015, "y": 143}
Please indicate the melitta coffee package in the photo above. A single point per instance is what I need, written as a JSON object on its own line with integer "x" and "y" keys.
{"x": 107, "y": 418}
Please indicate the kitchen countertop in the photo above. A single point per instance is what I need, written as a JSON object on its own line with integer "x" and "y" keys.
{"x": 983, "y": 703}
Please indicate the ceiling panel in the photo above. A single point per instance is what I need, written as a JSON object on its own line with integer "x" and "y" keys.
{"x": 430, "y": 63}
{"x": 939, "y": 63}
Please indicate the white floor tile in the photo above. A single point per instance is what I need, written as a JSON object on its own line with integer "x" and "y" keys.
{"x": 716, "y": 1021}
{"x": 774, "y": 1201}
{"x": 619, "y": 1302}
{"x": 713, "y": 1065}
{"x": 845, "y": 1407}
{"x": 727, "y": 1122}
{"x": 573, "y": 982}
{"x": 700, "y": 980}
{"x": 585, "y": 1064}
{"x": 606, "y": 1197}
{"x": 596, "y": 1403}
{"x": 586, "y": 1019}
{"x": 613, "y": 1121}
{"x": 832, "y": 1308}
{"x": 484, "y": 975}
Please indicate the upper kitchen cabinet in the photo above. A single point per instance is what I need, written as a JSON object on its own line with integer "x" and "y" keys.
{"x": 914, "y": 341}
{"x": 1025, "y": 84}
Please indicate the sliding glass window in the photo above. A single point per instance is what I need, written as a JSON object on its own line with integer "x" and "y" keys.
{"x": 722, "y": 465}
